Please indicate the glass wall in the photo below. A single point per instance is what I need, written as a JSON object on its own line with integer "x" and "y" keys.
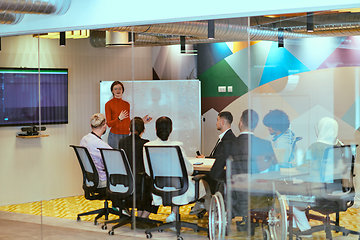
{"x": 294, "y": 160}
{"x": 20, "y": 174}
{"x": 291, "y": 157}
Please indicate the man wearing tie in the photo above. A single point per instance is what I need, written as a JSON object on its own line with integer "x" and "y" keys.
{"x": 223, "y": 124}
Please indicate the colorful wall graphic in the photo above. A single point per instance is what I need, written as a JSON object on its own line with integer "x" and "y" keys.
{"x": 224, "y": 64}
{"x": 308, "y": 79}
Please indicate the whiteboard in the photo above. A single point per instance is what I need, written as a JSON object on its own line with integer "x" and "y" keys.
{"x": 176, "y": 99}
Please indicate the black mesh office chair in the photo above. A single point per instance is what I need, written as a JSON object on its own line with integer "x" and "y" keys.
{"x": 169, "y": 179}
{"x": 91, "y": 183}
{"x": 334, "y": 191}
{"x": 120, "y": 185}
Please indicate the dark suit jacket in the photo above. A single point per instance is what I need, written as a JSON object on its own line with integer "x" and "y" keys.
{"x": 261, "y": 154}
{"x": 227, "y": 136}
{"x": 143, "y": 199}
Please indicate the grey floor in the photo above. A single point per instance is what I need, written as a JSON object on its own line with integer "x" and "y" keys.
{"x": 16, "y": 226}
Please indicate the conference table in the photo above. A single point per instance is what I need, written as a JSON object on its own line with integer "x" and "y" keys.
{"x": 286, "y": 181}
{"x": 201, "y": 164}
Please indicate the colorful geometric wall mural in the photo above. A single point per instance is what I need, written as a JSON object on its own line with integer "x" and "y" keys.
{"x": 216, "y": 67}
{"x": 308, "y": 79}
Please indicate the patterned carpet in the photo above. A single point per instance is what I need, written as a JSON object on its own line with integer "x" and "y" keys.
{"x": 68, "y": 208}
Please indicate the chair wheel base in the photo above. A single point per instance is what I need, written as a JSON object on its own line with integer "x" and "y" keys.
{"x": 201, "y": 214}
{"x": 266, "y": 234}
{"x": 78, "y": 219}
{"x": 111, "y": 232}
{"x": 103, "y": 227}
{"x": 148, "y": 235}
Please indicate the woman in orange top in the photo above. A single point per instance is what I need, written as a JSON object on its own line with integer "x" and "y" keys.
{"x": 117, "y": 113}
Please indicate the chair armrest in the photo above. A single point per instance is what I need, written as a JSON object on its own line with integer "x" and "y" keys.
{"x": 197, "y": 178}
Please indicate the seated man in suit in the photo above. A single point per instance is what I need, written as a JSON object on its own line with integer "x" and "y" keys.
{"x": 144, "y": 206}
{"x": 92, "y": 141}
{"x": 223, "y": 124}
{"x": 260, "y": 153}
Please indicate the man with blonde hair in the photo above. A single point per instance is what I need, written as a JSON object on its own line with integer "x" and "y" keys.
{"x": 92, "y": 141}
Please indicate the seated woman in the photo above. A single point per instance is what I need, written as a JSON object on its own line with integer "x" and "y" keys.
{"x": 163, "y": 129}
{"x": 143, "y": 200}
{"x": 326, "y": 131}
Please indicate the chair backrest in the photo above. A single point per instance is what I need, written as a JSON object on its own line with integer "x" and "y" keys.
{"x": 118, "y": 172}
{"x": 168, "y": 172}
{"x": 88, "y": 168}
{"x": 337, "y": 164}
{"x": 337, "y": 171}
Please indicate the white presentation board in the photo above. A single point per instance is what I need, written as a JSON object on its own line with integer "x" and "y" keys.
{"x": 177, "y": 99}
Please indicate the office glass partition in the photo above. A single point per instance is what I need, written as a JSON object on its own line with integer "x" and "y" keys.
{"x": 295, "y": 106}
{"x": 289, "y": 85}
{"x": 21, "y": 165}
{"x": 172, "y": 91}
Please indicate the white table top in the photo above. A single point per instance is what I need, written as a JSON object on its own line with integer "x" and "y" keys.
{"x": 206, "y": 163}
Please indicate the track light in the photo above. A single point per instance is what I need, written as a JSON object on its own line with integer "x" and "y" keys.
{"x": 131, "y": 37}
{"x": 62, "y": 39}
{"x": 280, "y": 37}
{"x": 310, "y": 22}
{"x": 211, "y": 29}
{"x": 182, "y": 44}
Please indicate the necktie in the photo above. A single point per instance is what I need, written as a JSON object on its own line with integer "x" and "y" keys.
{"x": 214, "y": 150}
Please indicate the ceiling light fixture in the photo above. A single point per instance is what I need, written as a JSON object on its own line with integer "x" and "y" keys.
{"x": 211, "y": 29}
{"x": 62, "y": 39}
{"x": 310, "y": 22}
{"x": 182, "y": 44}
{"x": 131, "y": 37}
{"x": 280, "y": 37}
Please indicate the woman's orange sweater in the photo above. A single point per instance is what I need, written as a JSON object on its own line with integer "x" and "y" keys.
{"x": 112, "y": 111}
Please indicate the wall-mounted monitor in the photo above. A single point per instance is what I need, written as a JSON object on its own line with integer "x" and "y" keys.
{"x": 19, "y": 96}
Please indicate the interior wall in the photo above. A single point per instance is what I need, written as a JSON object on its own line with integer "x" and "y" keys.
{"x": 46, "y": 168}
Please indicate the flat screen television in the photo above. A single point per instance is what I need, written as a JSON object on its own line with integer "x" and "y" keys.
{"x": 19, "y": 96}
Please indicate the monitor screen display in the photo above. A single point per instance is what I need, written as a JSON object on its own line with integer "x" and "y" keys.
{"x": 19, "y": 96}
